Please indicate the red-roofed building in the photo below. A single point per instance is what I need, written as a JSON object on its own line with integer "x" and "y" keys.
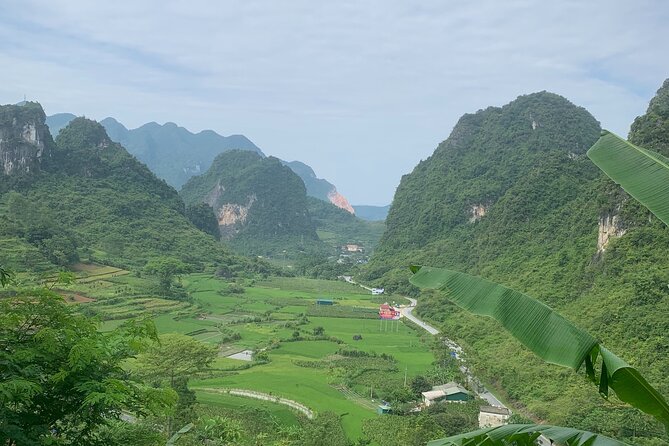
{"x": 388, "y": 312}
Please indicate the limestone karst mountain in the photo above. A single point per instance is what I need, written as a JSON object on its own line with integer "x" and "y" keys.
{"x": 85, "y": 195}
{"x": 511, "y": 196}
{"x": 260, "y": 204}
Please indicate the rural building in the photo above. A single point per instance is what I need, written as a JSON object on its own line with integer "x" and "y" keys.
{"x": 351, "y": 247}
{"x": 383, "y": 408}
{"x": 388, "y": 312}
{"x": 448, "y": 392}
{"x": 377, "y": 291}
{"x": 491, "y": 416}
{"x": 324, "y": 302}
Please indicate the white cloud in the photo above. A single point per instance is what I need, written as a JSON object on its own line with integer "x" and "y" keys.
{"x": 368, "y": 87}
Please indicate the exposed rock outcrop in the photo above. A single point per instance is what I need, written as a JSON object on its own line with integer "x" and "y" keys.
{"x": 25, "y": 140}
{"x": 231, "y": 214}
{"x": 477, "y": 212}
{"x": 610, "y": 226}
{"x": 340, "y": 201}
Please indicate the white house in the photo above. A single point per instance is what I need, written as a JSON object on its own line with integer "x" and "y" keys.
{"x": 491, "y": 416}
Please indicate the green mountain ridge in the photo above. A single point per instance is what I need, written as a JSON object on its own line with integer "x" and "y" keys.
{"x": 261, "y": 205}
{"x": 90, "y": 198}
{"x": 175, "y": 154}
{"x": 510, "y": 196}
{"x": 170, "y": 151}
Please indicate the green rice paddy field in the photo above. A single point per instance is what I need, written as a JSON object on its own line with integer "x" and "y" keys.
{"x": 268, "y": 313}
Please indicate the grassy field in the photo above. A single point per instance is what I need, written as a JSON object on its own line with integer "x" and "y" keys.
{"x": 270, "y": 315}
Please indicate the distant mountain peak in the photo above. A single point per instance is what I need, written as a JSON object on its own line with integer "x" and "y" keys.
{"x": 172, "y": 152}
{"x": 318, "y": 187}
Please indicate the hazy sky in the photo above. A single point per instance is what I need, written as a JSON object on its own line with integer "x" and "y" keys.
{"x": 360, "y": 90}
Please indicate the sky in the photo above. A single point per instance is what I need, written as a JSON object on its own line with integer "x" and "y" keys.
{"x": 361, "y": 90}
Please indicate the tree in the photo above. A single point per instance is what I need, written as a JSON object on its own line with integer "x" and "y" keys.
{"x": 324, "y": 430}
{"x": 5, "y": 276}
{"x": 219, "y": 431}
{"x": 174, "y": 360}
{"x": 420, "y": 384}
{"x": 174, "y": 357}
{"x": 165, "y": 269}
{"x": 319, "y": 331}
{"x": 60, "y": 378}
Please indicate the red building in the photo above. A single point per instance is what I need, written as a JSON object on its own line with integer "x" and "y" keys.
{"x": 388, "y": 312}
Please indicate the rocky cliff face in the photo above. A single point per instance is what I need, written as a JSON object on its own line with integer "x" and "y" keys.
{"x": 340, "y": 201}
{"x": 610, "y": 227}
{"x": 25, "y": 140}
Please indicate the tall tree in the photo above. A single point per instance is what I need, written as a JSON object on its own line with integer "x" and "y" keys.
{"x": 61, "y": 379}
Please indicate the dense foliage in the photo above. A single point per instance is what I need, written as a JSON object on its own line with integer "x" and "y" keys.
{"x": 273, "y": 199}
{"x": 60, "y": 378}
{"x": 511, "y": 197}
{"x": 91, "y": 199}
{"x": 203, "y": 217}
{"x": 172, "y": 152}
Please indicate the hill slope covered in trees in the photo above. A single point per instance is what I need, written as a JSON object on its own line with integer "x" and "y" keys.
{"x": 511, "y": 196}
{"x": 172, "y": 152}
{"x": 261, "y": 205}
{"x": 86, "y": 196}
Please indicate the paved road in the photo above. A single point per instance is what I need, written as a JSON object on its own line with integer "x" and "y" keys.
{"x": 408, "y": 313}
{"x": 457, "y": 351}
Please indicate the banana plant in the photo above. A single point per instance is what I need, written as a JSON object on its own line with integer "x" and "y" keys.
{"x": 640, "y": 172}
{"x": 527, "y": 435}
{"x": 545, "y": 332}
{"x": 645, "y": 176}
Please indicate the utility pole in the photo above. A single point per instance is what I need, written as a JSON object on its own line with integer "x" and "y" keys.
{"x": 406, "y": 368}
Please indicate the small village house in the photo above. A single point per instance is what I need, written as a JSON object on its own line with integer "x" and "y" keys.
{"x": 492, "y": 416}
{"x": 449, "y": 392}
{"x": 388, "y": 312}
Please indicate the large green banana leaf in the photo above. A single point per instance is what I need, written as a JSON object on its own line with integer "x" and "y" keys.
{"x": 546, "y": 333}
{"x": 641, "y": 173}
{"x": 526, "y": 434}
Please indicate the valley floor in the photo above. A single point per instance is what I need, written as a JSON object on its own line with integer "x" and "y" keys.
{"x": 304, "y": 343}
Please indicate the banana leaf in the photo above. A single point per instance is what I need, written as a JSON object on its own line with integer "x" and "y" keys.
{"x": 180, "y": 433}
{"x": 546, "y": 333}
{"x": 526, "y": 434}
{"x": 642, "y": 173}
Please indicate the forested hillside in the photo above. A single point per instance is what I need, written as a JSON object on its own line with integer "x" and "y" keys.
{"x": 337, "y": 227}
{"x": 171, "y": 152}
{"x": 85, "y": 197}
{"x": 260, "y": 204}
{"x": 510, "y": 196}
{"x": 175, "y": 154}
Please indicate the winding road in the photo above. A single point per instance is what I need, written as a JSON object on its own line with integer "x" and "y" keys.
{"x": 457, "y": 351}
{"x": 407, "y": 311}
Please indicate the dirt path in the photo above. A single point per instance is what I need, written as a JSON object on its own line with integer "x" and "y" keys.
{"x": 263, "y": 396}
